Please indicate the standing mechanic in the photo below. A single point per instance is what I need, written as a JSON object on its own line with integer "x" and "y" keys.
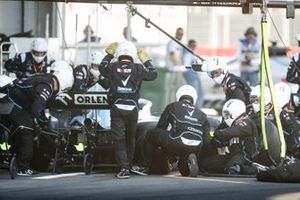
{"x": 35, "y": 61}
{"x": 290, "y": 124}
{"x": 124, "y": 79}
{"x": 30, "y": 97}
{"x": 181, "y": 131}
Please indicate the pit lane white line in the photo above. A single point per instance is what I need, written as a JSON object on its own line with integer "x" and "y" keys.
{"x": 178, "y": 176}
{"x": 58, "y": 176}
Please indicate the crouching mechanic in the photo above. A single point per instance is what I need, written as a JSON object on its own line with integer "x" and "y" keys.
{"x": 181, "y": 131}
{"x": 290, "y": 124}
{"x": 30, "y": 97}
{"x": 287, "y": 116}
{"x": 35, "y": 61}
{"x": 85, "y": 76}
{"x": 124, "y": 79}
{"x": 246, "y": 131}
{"x": 255, "y": 97}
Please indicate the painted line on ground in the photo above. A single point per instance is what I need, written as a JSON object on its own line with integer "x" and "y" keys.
{"x": 178, "y": 176}
{"x": 58, "y": 176}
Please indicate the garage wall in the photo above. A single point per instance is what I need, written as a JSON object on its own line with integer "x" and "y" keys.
{"x": 10, "y": 15}
{"x": 34, "y": 18}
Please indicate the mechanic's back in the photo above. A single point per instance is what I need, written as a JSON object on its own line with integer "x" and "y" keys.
{"x": 124, "y": 79}
{"x": 183, "y": 117}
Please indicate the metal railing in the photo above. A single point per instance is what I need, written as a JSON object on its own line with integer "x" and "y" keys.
{"x": 6, "y": 52}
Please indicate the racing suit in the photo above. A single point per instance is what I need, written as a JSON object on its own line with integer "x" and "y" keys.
{"x": 236, "y": 88}
{"x": 179, "y": 125}
{"x": 83, "y": 82}
{"x": 243, "y": 136}
{"x": 124, "y": 80}
{"x": 293, "y": 73}
{"x": 23, "y": 65}
{"x": 82, "y": 79}
{"x": 291, "y": 129}
{"x": 29, "y": 97}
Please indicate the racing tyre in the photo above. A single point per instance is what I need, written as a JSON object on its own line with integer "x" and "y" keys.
{"x": 87, "y": 164}
{"x": 13, "y": 168}
{"x": 193, "y": 165}
{"x": 183, "y": 167}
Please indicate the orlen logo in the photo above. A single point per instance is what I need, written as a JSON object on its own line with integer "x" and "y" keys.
{"x": 90, "y": 99}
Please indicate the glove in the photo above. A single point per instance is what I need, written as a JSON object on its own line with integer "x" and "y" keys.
{"x": 211, "y": 134}
{"x": 143, "y": 56}
{"x": 111, "y": 49}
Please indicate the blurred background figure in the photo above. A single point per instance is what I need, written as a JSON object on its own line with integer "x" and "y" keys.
{"x": 249, "y": 56}
{"x": 88, "y": 31}
{"x": 174, "y": 50}
{"x": 127, "y": 35}
{"x": 174, "y": 57}
{"x": 190, "y": 76}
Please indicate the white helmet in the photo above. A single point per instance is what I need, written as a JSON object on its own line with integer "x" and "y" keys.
{"x": 255, "y": 97}
{"x": 233, "y": 109}
{"x": 216, "y": 69}
{"x": 187, "y": 90}
{"x": 39, "y": 46}
{"x": 283, "y": 94}
{"x": 63, "y": 71}
{"x": 127, "y": 49}
{"x": 95, "y": 58}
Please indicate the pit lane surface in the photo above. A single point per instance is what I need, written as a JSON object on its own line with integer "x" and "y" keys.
{"x": 173, "y": 186}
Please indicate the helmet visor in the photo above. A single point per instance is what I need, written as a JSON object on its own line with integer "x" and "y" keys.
{"x": 254, "y": 100}
{"x": 215, "y": 73}
{"x": 95, "y": 66}
{"x": 39, "y": 53}
{"x": 226, "y": 114}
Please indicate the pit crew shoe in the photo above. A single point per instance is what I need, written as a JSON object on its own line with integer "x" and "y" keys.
{"x": 193, "y": 165}
{"x": 27, "y": 172}
{"x": 235, "y": 169}
{"x": 123, "y": 174}
{"x": 139, "y": 170}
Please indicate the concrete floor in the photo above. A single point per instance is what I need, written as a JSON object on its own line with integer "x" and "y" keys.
{"x": 174, "y": 186}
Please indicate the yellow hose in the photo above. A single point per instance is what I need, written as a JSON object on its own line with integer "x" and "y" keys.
{"x": 266, "y": 68}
